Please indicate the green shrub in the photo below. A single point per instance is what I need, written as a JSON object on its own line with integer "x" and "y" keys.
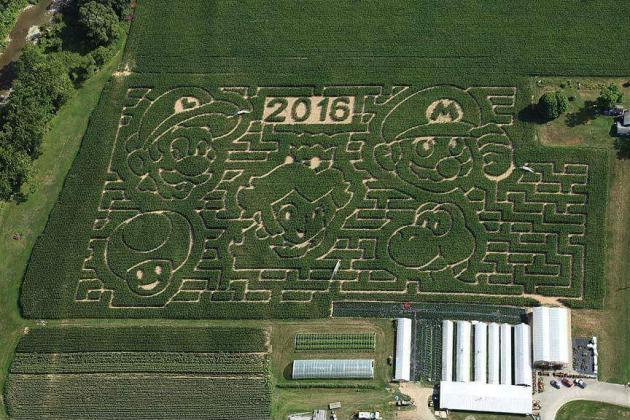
{"x": 552, "y": 104}
{"x": 609, "y": 96}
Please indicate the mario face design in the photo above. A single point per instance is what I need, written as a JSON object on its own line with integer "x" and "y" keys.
{"x": 435, "y": 140}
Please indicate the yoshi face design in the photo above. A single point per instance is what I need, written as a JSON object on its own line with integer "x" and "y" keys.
{"x": 438, "y": 238}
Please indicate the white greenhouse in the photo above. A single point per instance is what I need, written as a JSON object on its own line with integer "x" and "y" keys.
{"x": 551, "y": 337}
{"x": 462, "y": 368}
{"x": 333, "y": 369}
{"x": 403, "y": 350}
{"x": 494, "y": 352}
{"x": 506, "y": 354}
{"x": 447, "y": 350}
{"x": 481, "y": 346}
{"x": 522, "y": 355}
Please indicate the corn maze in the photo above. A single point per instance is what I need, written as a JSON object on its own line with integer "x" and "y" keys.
{"x": 277, "y": 202}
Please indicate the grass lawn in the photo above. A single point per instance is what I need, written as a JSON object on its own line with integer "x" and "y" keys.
{"x": 582, "y": 128}
{"x": 288, "y": 401}
{"x": 60, "y": 146}
{"x": 580, "y": 125}
{"x": 610, "y": 325}
{"x": 589, "y": 410}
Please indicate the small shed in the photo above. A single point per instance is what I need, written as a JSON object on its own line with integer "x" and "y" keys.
{"x": 623, "y": 125}
{"x": 319, "y": 415}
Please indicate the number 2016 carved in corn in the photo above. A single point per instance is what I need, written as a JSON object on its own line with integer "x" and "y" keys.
{"x": 309, "y": 110}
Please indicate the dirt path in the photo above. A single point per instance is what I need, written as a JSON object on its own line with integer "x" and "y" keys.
{"x": 420, "y": 395}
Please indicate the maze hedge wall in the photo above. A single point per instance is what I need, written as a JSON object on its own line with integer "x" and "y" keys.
{"x": 227, "y": 197}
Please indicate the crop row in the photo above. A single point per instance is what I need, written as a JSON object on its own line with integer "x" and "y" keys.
{"x": 321, "y": 342}
{"x": 143, "y": 339}
{"x": 136, "y": 396}
{"x": 95, "y": 362}
{"x": 428, "y": 350}
{"x": 489, "y": 39}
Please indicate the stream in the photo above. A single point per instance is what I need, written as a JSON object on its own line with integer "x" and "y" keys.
{"x": 30, "y": 17}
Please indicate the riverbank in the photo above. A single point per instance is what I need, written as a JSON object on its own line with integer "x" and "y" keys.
{"x": 60, "y": 146}
{"x": 17, "y": 33}
{"x": 8, "y": 17}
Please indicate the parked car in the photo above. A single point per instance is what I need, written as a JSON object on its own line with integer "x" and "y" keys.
{"x": 567, "y": 382}
{"x": 615, "y": 112}
{"x": 555, "y": 384}
{"x": 580, "y": 383}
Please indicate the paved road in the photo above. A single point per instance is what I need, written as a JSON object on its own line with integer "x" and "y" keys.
{"x": 553, "y": 399}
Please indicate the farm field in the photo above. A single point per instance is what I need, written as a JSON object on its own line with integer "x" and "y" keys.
{"x": 255, "y": 166}
{"x": 147, "y": 373}
{"x": 318, "y": 39}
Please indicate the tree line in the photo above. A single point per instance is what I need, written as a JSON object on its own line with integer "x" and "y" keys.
{"x": 73, "y": 47}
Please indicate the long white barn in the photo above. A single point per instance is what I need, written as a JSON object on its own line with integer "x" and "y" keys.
{"x": 403, "y": 350}
{"x": 473, "y": 396}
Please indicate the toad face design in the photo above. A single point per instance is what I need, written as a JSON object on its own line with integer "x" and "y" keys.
{"x": 435, "y": 140}
{"x": 296, "y": 206}
{"x": 148, "y": 249}
{"x": 437, "y": 239}
{"x": 173, "y": 150}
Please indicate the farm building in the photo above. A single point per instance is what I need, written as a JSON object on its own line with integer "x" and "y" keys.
{"x": 623, "y": 125}
{"x": 551, "y": 337}
{"x": 333, "y": 369}
{"x": 403, "y": 350}
{"x": 447, "y": 350}
{"x": 462, "y": 366}
{"x": 475, "y": 396}
{"x": 494, "y": 353}
{"x": 522, "y": 355}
